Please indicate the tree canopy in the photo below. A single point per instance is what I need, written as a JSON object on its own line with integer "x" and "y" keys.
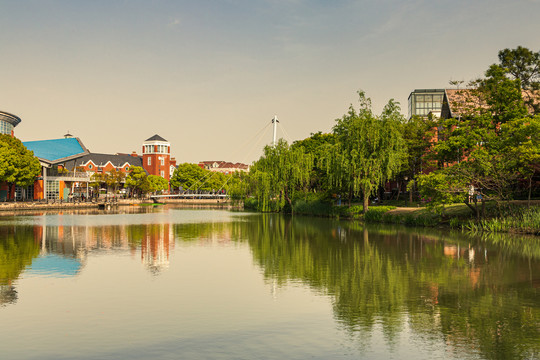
{"x": 18, "y": 165}
{"x": 369, "y": 149}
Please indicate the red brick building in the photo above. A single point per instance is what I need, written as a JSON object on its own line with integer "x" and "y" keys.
{"x": 156, "y": 154}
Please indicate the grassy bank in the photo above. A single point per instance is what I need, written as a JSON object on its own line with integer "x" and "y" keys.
{"x": 514, "y": 218}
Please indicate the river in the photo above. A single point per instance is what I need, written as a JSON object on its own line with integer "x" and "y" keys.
{"x": 176, "y": 283}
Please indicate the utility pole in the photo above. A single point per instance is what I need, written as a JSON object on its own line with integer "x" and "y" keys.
{"x": 274, "y": 121}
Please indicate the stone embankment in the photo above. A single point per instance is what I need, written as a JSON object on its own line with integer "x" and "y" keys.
{"x": 62, "y": 205}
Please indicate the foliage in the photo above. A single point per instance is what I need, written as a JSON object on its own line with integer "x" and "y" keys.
{"x": 524, "y": 65}
{"x": 369, "y": 149}
{"x": 279, "y": 174}
{"x": 137, "y": 180}
{"x": 113, "y": 179}
{"x": 317, "y": 146}
{"x": 492, "y": 146}
{"x": 188, "y": 176}
{"x": 375, "y": 213}
{"x": 157, "y": 183}
{"x": 18, "y": 166}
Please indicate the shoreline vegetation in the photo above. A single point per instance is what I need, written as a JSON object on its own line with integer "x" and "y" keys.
{"x": 513, "y": 217}
{"x": 464, "y": 166}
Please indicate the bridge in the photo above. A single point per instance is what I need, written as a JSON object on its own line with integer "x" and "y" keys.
{"x": 156, "y": 198}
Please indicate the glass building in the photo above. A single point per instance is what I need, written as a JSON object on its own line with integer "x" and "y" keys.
{"x": 424, "y": 101}
{"x": 8, "y": 122}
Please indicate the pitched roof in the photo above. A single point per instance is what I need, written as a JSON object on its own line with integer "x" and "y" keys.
{"x": 224, "y": 165}
{"x": 464, "y": 102}
{"x": 57, "y": 151}
{"x": 156, "y": 138}
{"x": 117, "y": 160}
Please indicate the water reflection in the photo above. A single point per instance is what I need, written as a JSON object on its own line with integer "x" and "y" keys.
{"x": 479, "y": 296}
{"x": 476, "y": 296}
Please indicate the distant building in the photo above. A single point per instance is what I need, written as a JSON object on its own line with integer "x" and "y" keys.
{"x": 422, "y": 102}
{"x": 224, "y": 166}
{"x": 156, "y": 157}
{"x": 8, "y": 122}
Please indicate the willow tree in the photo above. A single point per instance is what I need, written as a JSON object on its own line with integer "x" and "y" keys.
{"x": 280, "y": 173}
{"x": 369, "y": 149}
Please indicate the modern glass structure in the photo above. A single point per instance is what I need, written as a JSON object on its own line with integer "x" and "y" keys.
{"x": 8, "y": 122}
{"x": 424, "y": 101}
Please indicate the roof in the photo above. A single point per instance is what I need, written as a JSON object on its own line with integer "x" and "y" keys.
{"x": 465, "y": 102}
{"x": 117, "y": 160}
{"x": 224, "y": 165}
{"x": 156, "y": 138}
{"x": 58, "y": 150}
{"x": 10, "y": 118}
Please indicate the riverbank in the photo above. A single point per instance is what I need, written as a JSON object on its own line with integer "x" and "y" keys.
{"x": 9, "y": 207}
{"x": 517, "y": 216}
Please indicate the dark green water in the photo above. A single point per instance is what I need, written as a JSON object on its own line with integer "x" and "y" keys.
{"x": 172, "y": 283}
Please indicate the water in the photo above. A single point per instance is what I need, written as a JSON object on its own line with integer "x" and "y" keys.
{"x": 171, "y": 283}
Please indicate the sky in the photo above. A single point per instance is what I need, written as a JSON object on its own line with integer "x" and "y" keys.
{"x": 208, "y": 76}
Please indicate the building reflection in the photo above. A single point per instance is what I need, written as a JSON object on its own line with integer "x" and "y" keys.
{"x": 62, "y": 251}
{"x": 155, "y": 247}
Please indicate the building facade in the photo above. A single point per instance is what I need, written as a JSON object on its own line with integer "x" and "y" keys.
{"x": 422, "y": 102}
{"x": 156, "y": 156}
{"x": 8, "y": 122}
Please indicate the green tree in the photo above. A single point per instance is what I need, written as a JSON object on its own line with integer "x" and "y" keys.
{"x": 524, "y": 64}
{"x": 280, "y": 173}
{"x": 157, "y": 183}
{"x": 317, "y": 145}
{"x": 137, "y": 179}
{"x": 95, "y": 182}
{"x": 418, "y": 134}
{"x": 113, "y": 179}
{"x": 18, "y": 166}
{"x": 369, "y": 149}
{"x": 188, "y": 176}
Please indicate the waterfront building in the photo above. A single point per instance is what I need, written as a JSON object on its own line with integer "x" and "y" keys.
{"x": 56, "y": 181}
{"x": 156, "y": 156}
{"x": 102, "y": 163}
{"x": 8, "y": 122}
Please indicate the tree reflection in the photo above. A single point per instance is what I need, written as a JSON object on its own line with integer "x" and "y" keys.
{"x": 477, "y": 296}
{"x": 17, "y": 249}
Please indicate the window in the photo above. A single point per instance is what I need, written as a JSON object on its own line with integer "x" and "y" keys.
{"x": 149, "y": 161}
{"x": 90, "y": 166}
{"x": 52, "y": 190}
{"x": 5, "y": 127}
{"x": 162, "y": 160}
{"x": 162, "y": 173}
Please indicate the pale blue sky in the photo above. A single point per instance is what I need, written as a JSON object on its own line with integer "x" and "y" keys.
{"x": 209, "y": 75}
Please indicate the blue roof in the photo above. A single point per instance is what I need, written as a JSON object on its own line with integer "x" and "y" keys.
{"x": 57, "y": 149}
{"x": 53, "y": 265}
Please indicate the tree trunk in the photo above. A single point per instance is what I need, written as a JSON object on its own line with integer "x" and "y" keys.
{"x": 473, "y": 209}
{"x": 530, "y": 189}
{"x": 398, "y": 190}
{"x": 365, "y": 203}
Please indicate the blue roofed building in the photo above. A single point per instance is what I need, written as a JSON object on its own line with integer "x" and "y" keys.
{"x": 56, "y": 182}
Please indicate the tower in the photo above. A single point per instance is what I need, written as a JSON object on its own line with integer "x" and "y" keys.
{"x": 156, "y": 153}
